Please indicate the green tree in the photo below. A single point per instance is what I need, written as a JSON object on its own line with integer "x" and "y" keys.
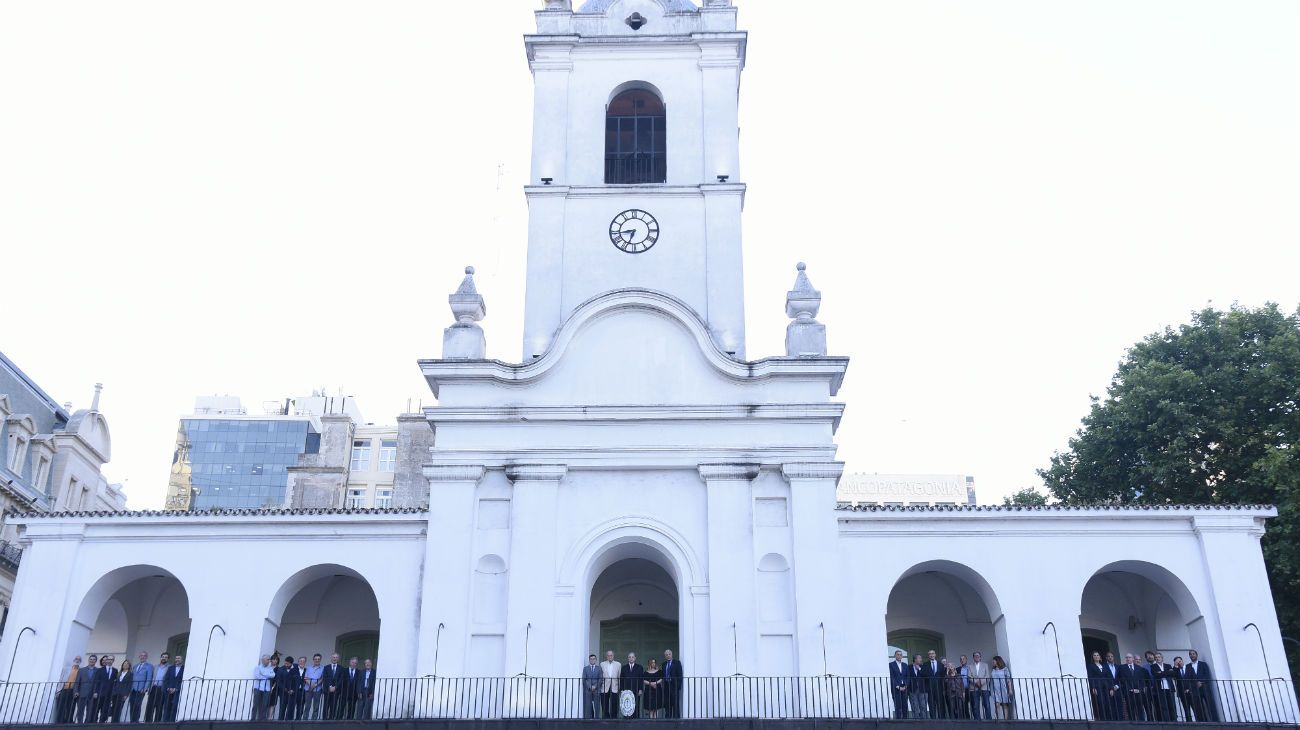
{"x": 1204, "y": 414}
{"x": 1027, "y": 497}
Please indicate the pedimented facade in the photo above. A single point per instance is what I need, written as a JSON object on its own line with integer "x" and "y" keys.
{"x": 634, "y": 482}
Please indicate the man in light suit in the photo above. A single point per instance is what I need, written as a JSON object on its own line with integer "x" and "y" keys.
{"x": 591, "y": 677}
{"x": 610, "y": 670}
{"x": 979, "y": 674}
{"x": 900, "y": 681}
{"x": 142, "y": 674}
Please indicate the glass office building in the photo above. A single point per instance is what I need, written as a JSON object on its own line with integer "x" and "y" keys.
{"x": 236, "y": 463}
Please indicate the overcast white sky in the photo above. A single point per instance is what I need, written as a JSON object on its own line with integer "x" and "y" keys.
{"x": 262, "y": 197}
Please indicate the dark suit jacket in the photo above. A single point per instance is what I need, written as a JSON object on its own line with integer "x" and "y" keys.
{"x": 631, "y": 677}
{"x": 122, "y": 685}
{"x": 333, "y": 678}
{"x": 1202, "y": 673}
{"x": 900, "y": 677}
{"x": 172, "y": 679}
{"x": 673, "y": 672}
{"x": 1162, "y": 671}
{"x": 1136, "y": 678}
{"x": 348, "y": 680}
{"x": 365, "y": 689}
{"x": 1098, "y": 679}
{"x": 287, "y": 679}
{"x": 102, "y": 684}
{"x": 1110, "y": 672}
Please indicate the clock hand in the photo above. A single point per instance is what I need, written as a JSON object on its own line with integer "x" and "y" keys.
{"x": 629, "y": 232}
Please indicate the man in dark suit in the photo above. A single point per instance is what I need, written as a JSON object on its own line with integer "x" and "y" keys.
{"x": 1202, "y": 686}
{"x": 102, "y": 689}
{"x": 348, "y": 705}
{"x": 288, "y": 686}
{"x": 332, "y": 682}
{"x": 366, "y": 681}
{"x": 674, "y": 682}
{"x": 1114, "y": 693}
{"x": 172, "y": 688}
{"x": 591, "y": 689}
{"x": 1162, "y": 688}
{"x": 1134, "y": 679}
{"x": 631, "y": 679}
{"x": 934, "y": 671}
{"x": 900, "y": 681}
{"x": 1183, "y": 689}
{"x": 1098, "y": 688}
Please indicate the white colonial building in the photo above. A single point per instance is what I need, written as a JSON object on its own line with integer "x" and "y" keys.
{"x": 634, "y": 482}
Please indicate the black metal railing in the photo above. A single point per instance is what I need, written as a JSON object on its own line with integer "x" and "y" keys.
{"x": 636, "y": 168}
{"x": 1068, "y": 698}
{"x": 10, "y": 556}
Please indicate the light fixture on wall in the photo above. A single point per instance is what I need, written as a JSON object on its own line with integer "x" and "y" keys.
{"x": 1134, "y": 623}
{"x": 723, "y": 178}
{"x": 547, "y": 180}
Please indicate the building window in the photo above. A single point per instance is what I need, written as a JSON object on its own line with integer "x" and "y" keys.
{"x": 635, "y": 139}
{"x": 361, "y": 455}
{"x": 356, "y": 498}
{"x": 383, "y": 498}
{"x": 387, "y": 455}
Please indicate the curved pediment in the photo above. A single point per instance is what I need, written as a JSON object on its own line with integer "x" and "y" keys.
{"x": 92, "y": 427}
{"x": 640, "y": 346}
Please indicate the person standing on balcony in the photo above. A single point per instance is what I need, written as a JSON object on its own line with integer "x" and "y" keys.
{"x": 979, "y": 688}
{"x": 920, "y": 694}
{"x": 301, "y": 705}
{"x": 630, "y": 678}
{"x": 83, "y": 691}
{"x": 102, "y": 691}
{"x": 171, "y": 686}
{"x": 143, "y": 680}
{"x": 313, "y": 688}
{"x": 900, "y": 679}
{"x": 288, "y": 685}
{"x": 366, "y": 682}
{"x": 610, "y": 670}
{"x": 332, "y": 681}
{"x": 263, "y": 675}
{"x": 1202, "y": 688}
{"x": 121, "y": 691}
{"x": 674, "y": 684}
{"x": 348, "y": 703}
{"x": 591, "y": 677}
{"x": 153, "y": 712}
{"x": 66, "y": 699}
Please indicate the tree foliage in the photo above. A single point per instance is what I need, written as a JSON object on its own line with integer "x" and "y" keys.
{"x": 1204, "y": 414}
{"x": 1027, "y": 497}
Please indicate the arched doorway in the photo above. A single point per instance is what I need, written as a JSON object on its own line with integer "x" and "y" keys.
{"x": 946, "y": 607}
{"x": 139, "y": 608}
{"x": 1135, "y": 607}
{"x": 634, "y": 609}
{"x": 325, "y": 609}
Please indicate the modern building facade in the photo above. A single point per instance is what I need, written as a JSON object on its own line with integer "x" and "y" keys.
{"x": 50, "y": 459}
{"x": 634, "y": 481}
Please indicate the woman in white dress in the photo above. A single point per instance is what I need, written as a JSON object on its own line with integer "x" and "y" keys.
{"x": 1002, "y": 691}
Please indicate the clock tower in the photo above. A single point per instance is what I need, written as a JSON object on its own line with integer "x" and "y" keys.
{"x": 635, "y": 169}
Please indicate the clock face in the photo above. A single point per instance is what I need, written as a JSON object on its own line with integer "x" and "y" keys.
{"x": 634, "y": 231}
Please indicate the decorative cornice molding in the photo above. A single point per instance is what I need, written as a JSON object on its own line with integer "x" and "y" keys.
{"x": 517, "y": 414}
{"x": 202, "y": 514}
{"x": 454, "y": 472}
{"x": 536, "y": 472}
{"x": 1181, "y": 511}
{"x": 728, "y": 472}
{"x": 826, "y": 470}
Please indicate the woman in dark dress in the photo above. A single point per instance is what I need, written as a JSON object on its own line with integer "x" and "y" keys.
{"x": 652, "y": 688}
{"x": 121, "y": 691}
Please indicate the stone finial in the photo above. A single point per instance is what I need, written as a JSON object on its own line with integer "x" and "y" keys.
{"x": 804, "y": 336}
{"x": 464, "y": 339}
{"x": 717, "y": 3}
{"x": 564, "y": 5}
{"x": 94, "y": 402}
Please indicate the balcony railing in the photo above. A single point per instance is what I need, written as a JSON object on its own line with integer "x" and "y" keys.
{"x": 636, "y": 168}
{"x": 10, "y": 556}
{"x": 1232, "y": 701}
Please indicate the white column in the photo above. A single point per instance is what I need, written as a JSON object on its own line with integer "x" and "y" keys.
{"x": 819, "y": 584}
{"x": 447, "y": 569}
{"x": 530, "y": 615}
{"x": 725, "y": 282}
{"x": 1234, "y": 566}
{"x": 733, "y": 620}
{"x": 551, "y": 67}
{"x": 544, "y": 286}
{"x": 36, "y": 633}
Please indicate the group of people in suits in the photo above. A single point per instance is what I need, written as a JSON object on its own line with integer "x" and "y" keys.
{"x": 296, "y": 690}
{"x": 656, "y": 690}
{"x": 933, "y": 687}
{"x": 1151, "y": 691}
{"x": 100, "y": 691}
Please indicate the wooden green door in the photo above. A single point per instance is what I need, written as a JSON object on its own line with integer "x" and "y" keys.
{"x": 646, "y": 636}
{"x": 360, "y": 644}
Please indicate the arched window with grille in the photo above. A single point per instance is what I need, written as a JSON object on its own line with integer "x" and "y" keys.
{"x": 635, "y": 139}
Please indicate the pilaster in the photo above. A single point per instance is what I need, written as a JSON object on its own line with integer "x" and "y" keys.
{"x": 530, "y": 620}
{"x": 1240, "y": 620}
{"x": 445, "y": 587}
{"x": 733, "y": 620}
{"x": 818, "y": 578}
